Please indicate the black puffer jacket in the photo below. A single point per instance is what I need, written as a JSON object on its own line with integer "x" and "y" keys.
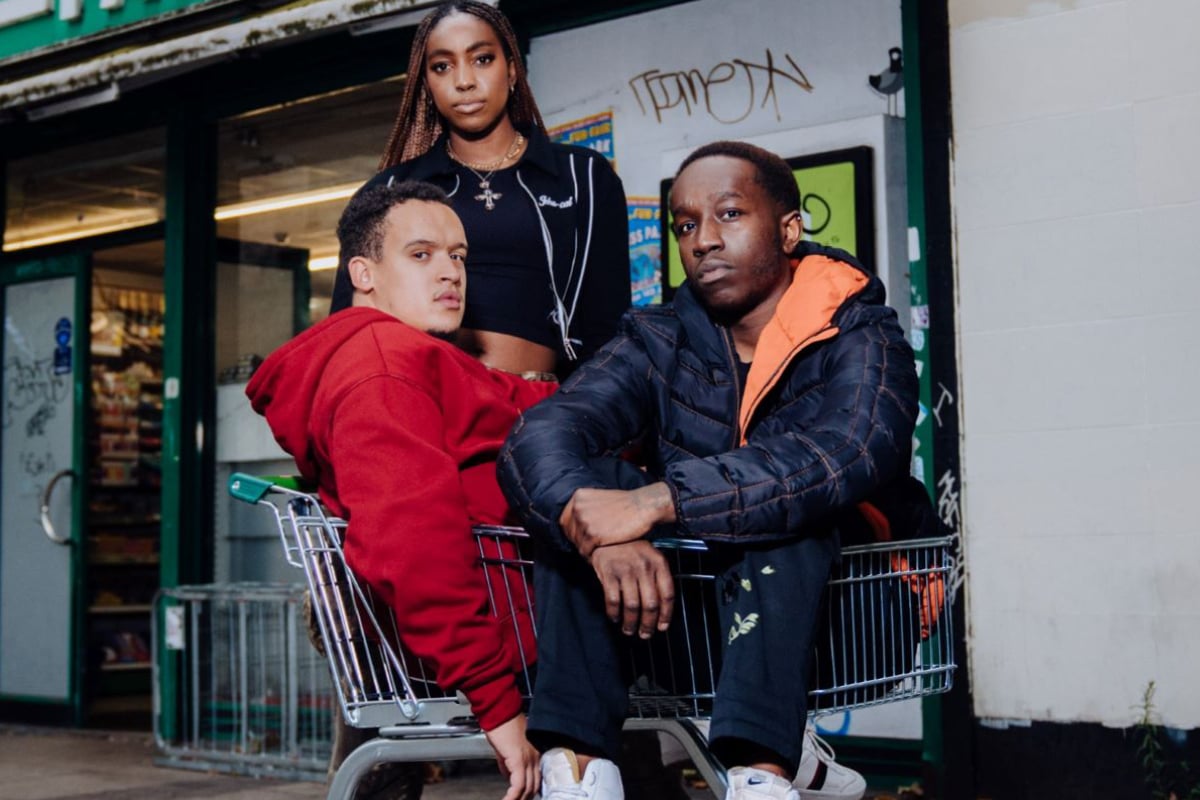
{"x": 826, "y": 421}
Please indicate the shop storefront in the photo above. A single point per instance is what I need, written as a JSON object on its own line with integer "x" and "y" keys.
{"x": 163, "y": 229}
{"x": 172, "y": 176}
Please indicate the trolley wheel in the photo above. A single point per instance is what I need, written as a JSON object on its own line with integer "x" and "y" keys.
{"x": 400, "y": 780}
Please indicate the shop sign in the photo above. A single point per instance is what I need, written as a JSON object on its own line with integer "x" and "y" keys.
{"x": 30, "y": 25}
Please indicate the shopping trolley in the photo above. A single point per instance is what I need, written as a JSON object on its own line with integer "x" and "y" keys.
{"x": 887, "y": 637}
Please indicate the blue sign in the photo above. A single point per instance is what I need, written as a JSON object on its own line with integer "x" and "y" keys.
{"x": 62, "y": 350}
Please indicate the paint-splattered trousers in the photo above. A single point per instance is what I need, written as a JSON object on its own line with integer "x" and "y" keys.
{"x": 768, "y": 601}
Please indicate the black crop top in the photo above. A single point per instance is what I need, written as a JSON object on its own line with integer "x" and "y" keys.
{"x": 507, "y": 287}
{"x": 567, "y": 234}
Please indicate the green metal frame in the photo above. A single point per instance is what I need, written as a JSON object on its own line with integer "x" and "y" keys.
{"x": 188, "y": 413}
{"x": 947, "y": 719}
{"x": 40, "y": 269}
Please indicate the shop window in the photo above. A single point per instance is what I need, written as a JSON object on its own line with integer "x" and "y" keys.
{"x": 86, "y": 190}
{"x": 124, "y": 468}
{"x": 284, "y": 175}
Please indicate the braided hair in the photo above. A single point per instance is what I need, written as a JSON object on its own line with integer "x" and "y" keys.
{"x": 418, "y": 124}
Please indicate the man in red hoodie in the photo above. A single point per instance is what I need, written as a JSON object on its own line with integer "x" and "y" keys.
{"x": 400, "y": 431}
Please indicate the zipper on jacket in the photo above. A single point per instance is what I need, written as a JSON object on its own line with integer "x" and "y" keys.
{"x": 561, "y": 316}
{"x": 727, "y": 338}
{"x": 784, "y": 363}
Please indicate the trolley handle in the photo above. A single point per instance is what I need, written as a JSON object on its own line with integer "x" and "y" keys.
{"x": 254, "y": 490}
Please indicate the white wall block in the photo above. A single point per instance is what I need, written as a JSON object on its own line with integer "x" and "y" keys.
{"x": 967, "y": 15}
{"x": 1077, "y": 207}
{"x": 1089, "y": 667}
{"x": 1166, "y": 133}
{"x": 1162, "y": 46}
{"x": 1054, "y": 273}
{"x": 996, "y": 591}
{"x": 1045, "y": 169}
{"x": 1177, "y": 652}
{"x": 1163, "y": 266}
{"x": 1051, "y": 484}
{"x": 1173, "y": 455}
{"x": 1092, "y": 575}
{"x": 999, "y": 662}
{"x": 1040, "y": 76}
{"x": 1174, "y": 560}
{"x": 1172, "y": 368}
{"x": 1077, "y": 376}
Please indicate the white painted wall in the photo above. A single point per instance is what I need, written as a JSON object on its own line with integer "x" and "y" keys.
{"x": 835, "y": 46}
{"x": 1077, "y": 203}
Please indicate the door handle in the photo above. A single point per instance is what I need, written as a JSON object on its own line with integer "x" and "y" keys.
{"x": 47, "y": 525}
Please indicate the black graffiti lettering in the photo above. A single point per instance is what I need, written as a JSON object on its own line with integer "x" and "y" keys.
{"x": 35, "y": 465}
{"x": 32, "y": 383}
{"x": 36, "y": 426}
{"x": 718, "y": 92}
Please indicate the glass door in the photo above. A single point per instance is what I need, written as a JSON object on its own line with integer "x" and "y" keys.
{"x": 41, "y": 486}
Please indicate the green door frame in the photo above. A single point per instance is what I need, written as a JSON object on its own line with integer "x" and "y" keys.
{"x": 39, "y": 269}
{"x": 948, "y": 719}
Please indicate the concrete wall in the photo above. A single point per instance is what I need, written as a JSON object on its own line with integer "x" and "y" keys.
{"x": 1077, "y": 204}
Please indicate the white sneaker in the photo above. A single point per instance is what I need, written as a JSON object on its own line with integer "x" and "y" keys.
{"x": 820, "y": 777}
{"x": 561, "y": 779}
{"x": 747, "y": 783}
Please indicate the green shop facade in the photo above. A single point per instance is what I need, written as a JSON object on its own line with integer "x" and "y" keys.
{"x": 172, "y": 173}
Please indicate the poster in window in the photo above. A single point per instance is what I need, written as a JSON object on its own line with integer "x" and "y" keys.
{"x": 645, "y": 250}
{"x": 836, "y": 201}
{"x": 594, "y": 132}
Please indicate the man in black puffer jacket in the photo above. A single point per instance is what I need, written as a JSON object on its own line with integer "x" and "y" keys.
{"x": 775, "y": 393}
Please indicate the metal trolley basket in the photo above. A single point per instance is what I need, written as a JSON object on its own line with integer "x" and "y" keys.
{"x": 888, "y": 638}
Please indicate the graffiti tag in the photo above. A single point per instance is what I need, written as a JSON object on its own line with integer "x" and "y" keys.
{"x": 728, "y": 92}
{"x": 32, "y": 383}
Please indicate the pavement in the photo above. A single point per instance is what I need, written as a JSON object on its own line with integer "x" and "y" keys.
{"x": 39, "y": 763}
{"x": 56, "y": 764}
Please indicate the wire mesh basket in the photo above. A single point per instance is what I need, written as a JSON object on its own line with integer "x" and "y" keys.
{"x": 886, "y": 632}
{"x": 251, "y": 695}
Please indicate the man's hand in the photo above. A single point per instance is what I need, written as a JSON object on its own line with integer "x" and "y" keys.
{"x": 639, "y": 590}
{"x": 516, "y": 757}
{"x": 598, "y": 517}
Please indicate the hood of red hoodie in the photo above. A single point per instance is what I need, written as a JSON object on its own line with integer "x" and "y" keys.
{"x": 284, "y": 387}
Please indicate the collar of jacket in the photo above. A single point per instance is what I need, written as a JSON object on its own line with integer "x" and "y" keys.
{"x": 538, "y": 153}
{"x": 823, "y": 281}
{"x": 802, "y": 306}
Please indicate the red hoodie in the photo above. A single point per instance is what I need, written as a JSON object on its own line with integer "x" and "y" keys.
{"x": 400, "y": 432}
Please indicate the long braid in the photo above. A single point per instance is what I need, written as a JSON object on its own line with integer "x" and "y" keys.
{"x": 418, "y": 124}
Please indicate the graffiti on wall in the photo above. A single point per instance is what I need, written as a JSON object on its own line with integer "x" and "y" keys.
{"x": 728, "y": 91}
{"x": 29, "y": 384}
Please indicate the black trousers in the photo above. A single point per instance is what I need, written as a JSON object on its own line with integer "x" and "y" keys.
{"x": 768, "y": 606}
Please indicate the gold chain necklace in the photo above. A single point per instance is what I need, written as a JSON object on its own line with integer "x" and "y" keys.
{"x": 491, "y": 166}
{"x": 486, "y": 195}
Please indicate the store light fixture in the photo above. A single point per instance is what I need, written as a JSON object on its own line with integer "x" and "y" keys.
{"x": 225, "y": 212}
{"x": 125, "y": 224}
{"x": 322, "y": 263}
{"x": 286, "y": 201}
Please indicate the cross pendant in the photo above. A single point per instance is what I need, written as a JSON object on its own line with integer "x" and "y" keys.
{"x": 488, "y": 196}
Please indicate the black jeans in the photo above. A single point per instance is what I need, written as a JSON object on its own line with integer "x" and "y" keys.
{"x": 768, "y": 600}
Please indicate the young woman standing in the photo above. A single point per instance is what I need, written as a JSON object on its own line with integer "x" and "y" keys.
{"x": 548, "y": 266}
